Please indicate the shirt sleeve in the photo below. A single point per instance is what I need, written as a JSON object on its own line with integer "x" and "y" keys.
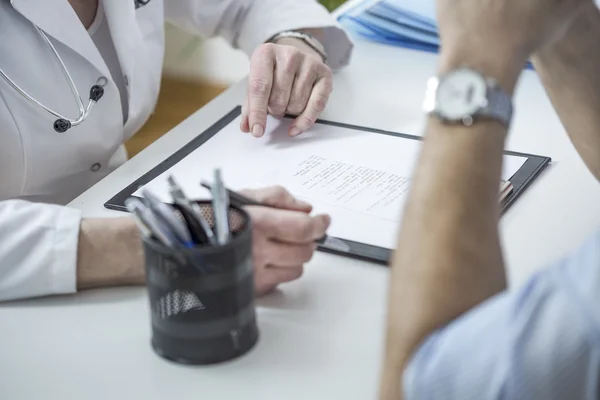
{"x": 38, "y": 249}
{"x": 541, "y": 341}
{"x": 246, "y": 24}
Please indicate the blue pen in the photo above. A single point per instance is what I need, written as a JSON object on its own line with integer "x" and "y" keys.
{"x": 167, "y": 214}
{"x": 150, "y": 226}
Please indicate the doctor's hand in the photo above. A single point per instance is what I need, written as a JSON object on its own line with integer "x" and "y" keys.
{"x": 283, "y": 238}
{"x": 288, "y": 77}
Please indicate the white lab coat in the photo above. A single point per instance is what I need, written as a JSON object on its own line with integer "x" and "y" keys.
{"x": 38, "y": 240}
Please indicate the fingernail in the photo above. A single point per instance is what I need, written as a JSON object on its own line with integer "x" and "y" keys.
{"x": 294, "y": 131}
{"x": 257, "y": 130}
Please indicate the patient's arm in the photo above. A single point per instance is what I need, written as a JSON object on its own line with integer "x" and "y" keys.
{"x": 570, "y": 71}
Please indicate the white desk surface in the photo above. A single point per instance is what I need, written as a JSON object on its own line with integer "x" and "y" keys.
{"x": 321, "y": 337}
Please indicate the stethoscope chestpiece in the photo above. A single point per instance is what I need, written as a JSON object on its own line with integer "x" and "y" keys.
{"x": 62, "y": 125}
{"x": 96, "y": 93}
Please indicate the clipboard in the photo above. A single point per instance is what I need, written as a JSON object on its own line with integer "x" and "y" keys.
{"x": 521, "y": 180}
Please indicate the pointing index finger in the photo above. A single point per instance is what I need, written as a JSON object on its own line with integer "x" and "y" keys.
{"x": 260, "y": 83}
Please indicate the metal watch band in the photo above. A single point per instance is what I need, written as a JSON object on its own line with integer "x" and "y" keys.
{"x": 310, "y": 40}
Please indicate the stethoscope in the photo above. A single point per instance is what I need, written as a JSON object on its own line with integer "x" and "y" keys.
{"x": 62, "y": 124}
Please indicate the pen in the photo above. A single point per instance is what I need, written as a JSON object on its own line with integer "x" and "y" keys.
{"x": 133, "y": 206}
{"x": 167, "y": 214}
{"x": 194, "y": 210}
{"x": 146, "y": 222}
{"x": 506, "y": 188}
{"x": 150, "y": 226}
{"x": 163, "y": 218}
{"x": 220, "y": 208}
{"x": 240, "y": 200}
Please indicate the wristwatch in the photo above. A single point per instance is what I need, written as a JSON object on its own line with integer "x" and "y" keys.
{"x": 309, "y": 39}
{"x": 463, "y": 96}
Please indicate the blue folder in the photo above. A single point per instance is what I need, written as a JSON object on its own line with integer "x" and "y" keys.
{"x": 405, "y": 23}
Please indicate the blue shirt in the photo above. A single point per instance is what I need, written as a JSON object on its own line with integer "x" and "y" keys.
{"x": 541, "y": 341}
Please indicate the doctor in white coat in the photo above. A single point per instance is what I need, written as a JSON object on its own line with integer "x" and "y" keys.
{"x": 79, "y": 77}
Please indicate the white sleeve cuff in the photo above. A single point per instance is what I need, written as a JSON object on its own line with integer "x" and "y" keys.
{"x": 64, "y": 260}
{"x": 38, "y": 249}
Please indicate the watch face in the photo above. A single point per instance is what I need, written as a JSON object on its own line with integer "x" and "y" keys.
{"x": 461, "y": 94}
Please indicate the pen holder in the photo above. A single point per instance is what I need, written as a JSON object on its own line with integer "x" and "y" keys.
{"x": 202, "y": 299}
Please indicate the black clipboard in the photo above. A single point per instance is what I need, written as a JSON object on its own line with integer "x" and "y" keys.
{"x": 520, "y": 180}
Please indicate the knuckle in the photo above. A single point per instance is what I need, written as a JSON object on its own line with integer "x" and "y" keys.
{"x": 306, "y": 81}
{"x": 305, "y": 228}
{"x": 288, "y": 61}
{"x": 264, "y": 50}
{"x": 278, "y": 192}
{"x": 257, "y": 116}
{"x": 314, "y": 64}
{"x": 277, "y": 105}
{"x": 306, "y": 120}
{"x": 269, "y": 48}
{"x": 327, "y": 73}
{"x": 308, "y": 253}
{"x": 259, "y": 86}
{"x": 296, "y": 55}
{"x": 296, "y": 108}
{"x": 298, "y": 272}
{"x": 259, "y": 221}
{"x": 279, "y": 195}
{"x": 320, "y": 102}
{"x": 288, "y": 67}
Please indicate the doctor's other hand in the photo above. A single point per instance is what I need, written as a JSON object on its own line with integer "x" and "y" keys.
{"x": 283, "y": 238}
{"x": 289, "y": 77}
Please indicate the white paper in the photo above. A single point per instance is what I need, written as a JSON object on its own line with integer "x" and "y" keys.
{"x": 360, "y": 178}
{"x": 358, "y": 188}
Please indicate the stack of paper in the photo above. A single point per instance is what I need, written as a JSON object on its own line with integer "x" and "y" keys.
{"x": 405, "y": 23}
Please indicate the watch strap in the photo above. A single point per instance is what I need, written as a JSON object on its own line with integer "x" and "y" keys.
{"x": 499, "y": 105}
{"x": 307, "y": 38}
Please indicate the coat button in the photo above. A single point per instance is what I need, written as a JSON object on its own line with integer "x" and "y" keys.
{"x": 96, "y": 167}
{"x": 102, "y": 81}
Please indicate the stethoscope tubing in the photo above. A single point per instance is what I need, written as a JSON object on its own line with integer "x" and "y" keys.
{"x": 84, "y": 111}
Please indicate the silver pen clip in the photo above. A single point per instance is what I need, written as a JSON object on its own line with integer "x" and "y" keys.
{"x": 221, "y": 208}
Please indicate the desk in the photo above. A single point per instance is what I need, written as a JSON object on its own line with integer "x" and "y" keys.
{"x": 321, "y": 337}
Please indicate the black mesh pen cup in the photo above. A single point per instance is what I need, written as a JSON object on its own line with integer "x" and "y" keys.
{"x": 202, "y": 299}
